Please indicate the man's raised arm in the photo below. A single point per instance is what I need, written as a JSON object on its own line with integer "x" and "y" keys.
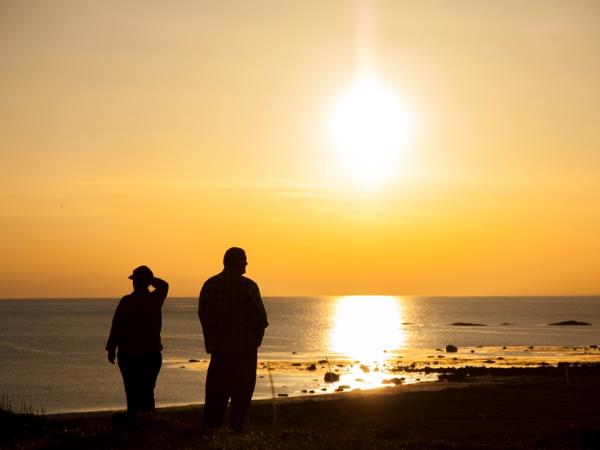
{"x": 161, "y": 288}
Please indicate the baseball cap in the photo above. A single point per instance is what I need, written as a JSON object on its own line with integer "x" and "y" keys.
{"x": 141, "y": 273}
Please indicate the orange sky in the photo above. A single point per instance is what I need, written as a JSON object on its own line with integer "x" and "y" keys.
{"x": 161, "y": 133}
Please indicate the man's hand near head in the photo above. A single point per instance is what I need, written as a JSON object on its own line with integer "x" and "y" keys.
{"x": 111, "y": 356}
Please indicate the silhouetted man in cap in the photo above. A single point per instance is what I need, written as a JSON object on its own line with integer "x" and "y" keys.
{"x": 233, "y": 320}
{"x": 135, "y": 332}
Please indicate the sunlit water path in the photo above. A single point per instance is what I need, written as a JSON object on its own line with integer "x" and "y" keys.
{"x": 52, "y": 351}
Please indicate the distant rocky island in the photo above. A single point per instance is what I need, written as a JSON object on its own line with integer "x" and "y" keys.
{"x": 468, "y": 324}
{"x": 570, "y": 323}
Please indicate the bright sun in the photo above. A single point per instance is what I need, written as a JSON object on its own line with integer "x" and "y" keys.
{"x": 369, "y": 127}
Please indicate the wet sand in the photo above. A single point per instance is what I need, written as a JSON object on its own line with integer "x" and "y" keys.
{"x": 303, "y": 374}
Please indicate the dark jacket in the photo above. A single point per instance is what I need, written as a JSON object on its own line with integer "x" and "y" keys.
{"x": 232, "y": 313}
{"x": 137, "y": 322}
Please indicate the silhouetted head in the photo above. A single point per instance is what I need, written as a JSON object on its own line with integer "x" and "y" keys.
{"x": 235, "y": 260}
{"x": 142, "y": 277}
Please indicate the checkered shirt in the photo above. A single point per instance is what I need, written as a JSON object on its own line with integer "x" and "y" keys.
{"x": 232, "y": 313}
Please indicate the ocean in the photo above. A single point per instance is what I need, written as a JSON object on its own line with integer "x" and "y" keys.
{"x": 52, "y": 354}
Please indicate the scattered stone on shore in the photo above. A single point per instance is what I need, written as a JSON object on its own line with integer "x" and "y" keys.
{"x": 193, "y": 360}
{"x": 505, "y": 324}
{"x": 504, "y": 348}
{"x": 395, "y": 381}
{"x": 322, "y": 361}
{"x": 359, "y": 380}
{"x": 344, "y": 386}
{"x": 260, "y": 376}
{"x": 311, "y": 367}
{"x": 575, "y": 323}
{"x": 331, "y": 377}
{"x": 282, "y": 395}
{"x": 472, "y": 351}
{"x": 489, "y": 361}
{"x": 294, "y": 353}
{"x": 499, "y": 358}
{"x": 451, "y": 348}
{"x": 311, "y": 392}
{"x": 441, "y": 356}
{"x": 304, "y": 391}
{"x": 468, "y": 324}
{"x": 593, "y": 346}
{"x": 530, "y": 347}
{"x": 182, "y": 367}
{"x": 364, "y": 368}
{"x": 296, "y": 364}
{"x": 323, "y": 389}
{"x": 340, "y": 389}
{"x": 458, "y": 376}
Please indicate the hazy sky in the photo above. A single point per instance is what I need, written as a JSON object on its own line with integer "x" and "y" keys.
{"x": 161, "y": 133}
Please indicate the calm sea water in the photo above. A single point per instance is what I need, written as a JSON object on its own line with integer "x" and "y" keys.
{"x": 52, "y": 351}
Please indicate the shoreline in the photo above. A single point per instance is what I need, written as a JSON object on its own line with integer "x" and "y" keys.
{"x": 536, "y": 408}
{"x": 446, "y": 377}
{"x": 293, "y": 379}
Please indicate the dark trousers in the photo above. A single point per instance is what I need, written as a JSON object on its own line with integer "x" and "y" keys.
{"x": 230, "y": 375}
{"x": 139, "y": 377}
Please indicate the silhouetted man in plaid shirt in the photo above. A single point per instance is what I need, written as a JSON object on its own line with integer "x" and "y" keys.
{"x": 233, "y": 320}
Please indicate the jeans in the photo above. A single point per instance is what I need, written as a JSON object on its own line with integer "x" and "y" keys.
{"x": 230, "y": 375}
{"x": 139, "y": 377}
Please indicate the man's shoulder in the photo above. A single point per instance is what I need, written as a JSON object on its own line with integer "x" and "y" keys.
{"x": 126, "y": 302}
{"x": 214, "y": 279}
{"x": 248, "y": 282}
{"x": 227, "y": 279}
{"x": 127, "y": 298}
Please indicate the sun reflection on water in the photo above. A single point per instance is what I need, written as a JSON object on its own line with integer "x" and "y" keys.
{"x": 366, "y": 326}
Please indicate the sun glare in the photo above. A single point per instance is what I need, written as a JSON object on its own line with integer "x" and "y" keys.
{"x": 369, "y": 127}
{"x": 366, "y": 326}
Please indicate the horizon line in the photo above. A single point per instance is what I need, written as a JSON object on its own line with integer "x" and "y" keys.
{"x": 179, "y": 297}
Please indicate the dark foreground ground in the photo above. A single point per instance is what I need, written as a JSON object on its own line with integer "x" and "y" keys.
{"x": 513, "y": 409}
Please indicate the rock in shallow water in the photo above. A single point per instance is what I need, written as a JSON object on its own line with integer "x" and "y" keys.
{"x": 571, "y": 323}
{"x": 396, "y": 381}
{"x": 330, "y": 377}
